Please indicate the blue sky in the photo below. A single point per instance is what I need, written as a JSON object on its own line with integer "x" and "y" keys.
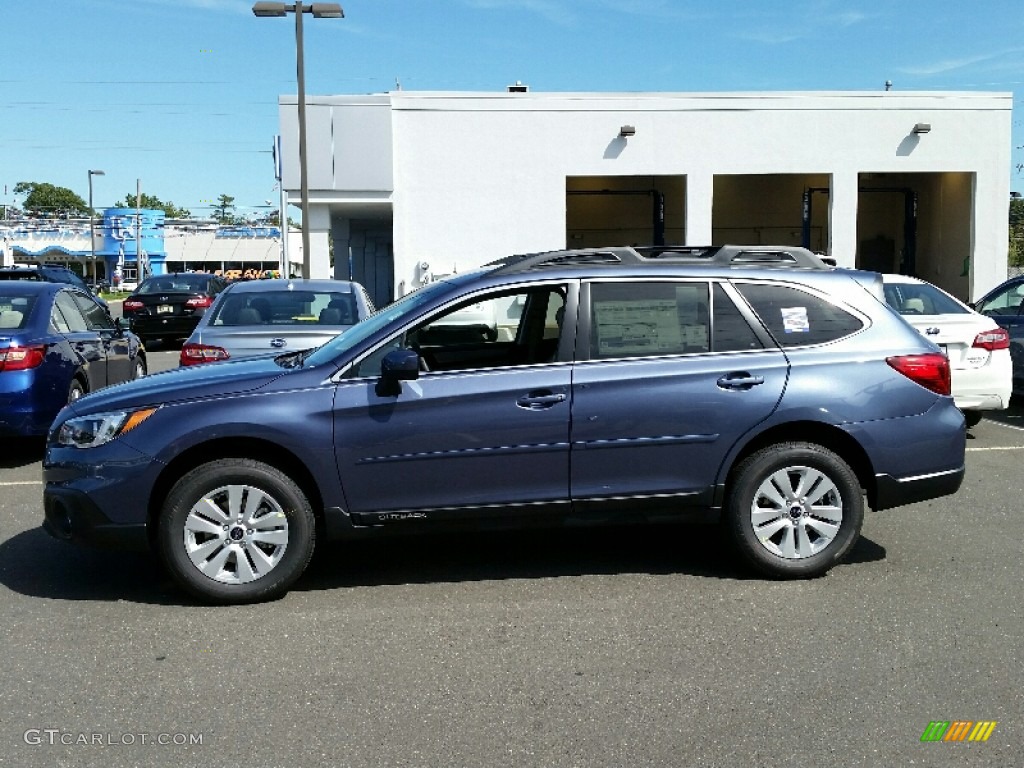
{"x": 182, "y": 94}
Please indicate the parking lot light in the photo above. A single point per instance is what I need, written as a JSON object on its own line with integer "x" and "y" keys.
{"x": 319, "y": 11}
{"x": 92, "y": 229}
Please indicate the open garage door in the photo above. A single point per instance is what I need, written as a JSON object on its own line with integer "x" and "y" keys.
{"x": 917, "y": 224}
{"x": 771, "y": 209}
{"x": 624, "y": 210}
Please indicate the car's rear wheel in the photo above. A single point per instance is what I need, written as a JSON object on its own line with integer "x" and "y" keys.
{"x": 794, "y": 509}
{"x": 236, "y": 531}
{"x": 139, "y": 367}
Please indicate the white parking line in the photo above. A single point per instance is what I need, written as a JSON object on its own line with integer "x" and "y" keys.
{"x": 998, "y": 448}
{"x": 20, "y": 482}
{"x": 1008, "y": 426}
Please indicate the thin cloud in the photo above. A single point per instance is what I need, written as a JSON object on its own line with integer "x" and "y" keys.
{"x": 811, "y": 22}
{"x": 553, "y": 11}
{"x": 963, "y": 62}
{"x": 230, "y": 6}
{"x": 770, "y": 38}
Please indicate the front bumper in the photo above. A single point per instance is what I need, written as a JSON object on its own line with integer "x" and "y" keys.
{"x": 71, "y": 516}
{"x": 99, "y": 496}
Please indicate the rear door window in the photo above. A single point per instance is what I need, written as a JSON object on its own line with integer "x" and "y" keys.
{"x": 648, "y": 319}
{"x": 95, "y": 316}
{"x": 74, "y": 321}
{"x": 730, "y": 330}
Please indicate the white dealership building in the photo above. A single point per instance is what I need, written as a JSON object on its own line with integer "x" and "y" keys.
{"x": 414, "y": 185}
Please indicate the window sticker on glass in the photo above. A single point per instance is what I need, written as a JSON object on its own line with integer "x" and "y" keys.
{"x": 631, "y": 327}
{"x": 794, "y": 320}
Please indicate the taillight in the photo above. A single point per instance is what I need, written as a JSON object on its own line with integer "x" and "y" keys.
{"x": 930, "y": 370}
{"x": 997, "y": 338}
{"x": 131, "y": 305}
{"x": 194, "y": 354}
{"x": 199, "y": 301}
{"x": 22, "y": 358}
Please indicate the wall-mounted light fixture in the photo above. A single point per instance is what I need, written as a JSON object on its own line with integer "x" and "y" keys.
{"x": 626, "y": 131}
{"x": 923, "y": 128}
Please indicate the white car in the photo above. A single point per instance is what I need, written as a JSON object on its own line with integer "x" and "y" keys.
{"x": 978, "y": 349}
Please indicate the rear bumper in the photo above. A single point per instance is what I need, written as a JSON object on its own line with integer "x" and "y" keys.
{"x": 25, "y": 408}
{"x": 987, "y": 387}
{"x": 895, "y": 492}
{"x": 154, "y": 325}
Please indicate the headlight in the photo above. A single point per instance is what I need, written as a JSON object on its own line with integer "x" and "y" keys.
{"x": 99, "y": 428}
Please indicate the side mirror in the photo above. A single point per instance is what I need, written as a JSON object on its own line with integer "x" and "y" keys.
{"x": 397, "y": 366}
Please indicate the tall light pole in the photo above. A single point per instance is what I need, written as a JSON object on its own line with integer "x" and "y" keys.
{"x": 92, "y": 228}
{"x": 319, "y": 11}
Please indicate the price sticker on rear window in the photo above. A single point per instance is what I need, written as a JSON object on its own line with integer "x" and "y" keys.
{"x": 794, "y": 320}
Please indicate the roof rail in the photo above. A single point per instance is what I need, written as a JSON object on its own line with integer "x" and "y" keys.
{"x": 792, "y": 257}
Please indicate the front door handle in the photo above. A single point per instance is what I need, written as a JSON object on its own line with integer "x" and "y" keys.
{"x": 740, "y": 380}
{"x": 536, "y": 401}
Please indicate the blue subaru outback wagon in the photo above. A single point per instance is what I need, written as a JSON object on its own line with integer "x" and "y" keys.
{"x": 756, "y": 385}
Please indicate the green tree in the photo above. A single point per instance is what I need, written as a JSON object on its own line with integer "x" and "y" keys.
{"x": 45, "y": 199}
{"x": 1016, "y": 232}
{"x": 224, "y": 211}
{"x": 152, "y": 201}
{"x": 274, "y": 219}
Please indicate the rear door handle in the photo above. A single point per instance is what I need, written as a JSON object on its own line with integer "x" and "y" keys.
{"x": 536, "y": 401}
{"x": 739, "y": 380}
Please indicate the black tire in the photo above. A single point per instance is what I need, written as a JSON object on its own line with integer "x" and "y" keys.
{"x": 75, "y": 390}
{"x": 801, "y": 538}
{"x": 139, "y": 368}
{"x": 233, "y": 559}
{"x": 972, "y": 418}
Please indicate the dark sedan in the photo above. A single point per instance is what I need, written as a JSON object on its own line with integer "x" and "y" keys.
{"x": 1005, "y": 305}
{"x": 56, "y": 344}
{"x": 50, "y": 273}
{"x": 169, "y": 306}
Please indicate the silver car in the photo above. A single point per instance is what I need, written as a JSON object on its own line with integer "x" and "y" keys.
{"x": 268, "y": 317}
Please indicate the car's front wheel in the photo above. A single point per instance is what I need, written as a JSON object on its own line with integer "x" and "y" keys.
{"x": 794, "y": 509}
{"x": 236, "y": 531}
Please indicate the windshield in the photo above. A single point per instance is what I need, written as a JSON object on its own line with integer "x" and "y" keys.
{"x": 181, "y": 283}
{"x": 287, "y": 307}
{"x": 359, "y": 332}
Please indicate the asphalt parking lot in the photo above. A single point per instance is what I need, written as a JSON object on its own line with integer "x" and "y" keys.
{"x": 634, "y": 647}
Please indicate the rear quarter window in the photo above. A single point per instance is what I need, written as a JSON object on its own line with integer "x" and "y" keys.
{"x": 797, "y": 318}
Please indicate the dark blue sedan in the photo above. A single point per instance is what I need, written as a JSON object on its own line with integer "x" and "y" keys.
{"x": 56, "y": 344}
